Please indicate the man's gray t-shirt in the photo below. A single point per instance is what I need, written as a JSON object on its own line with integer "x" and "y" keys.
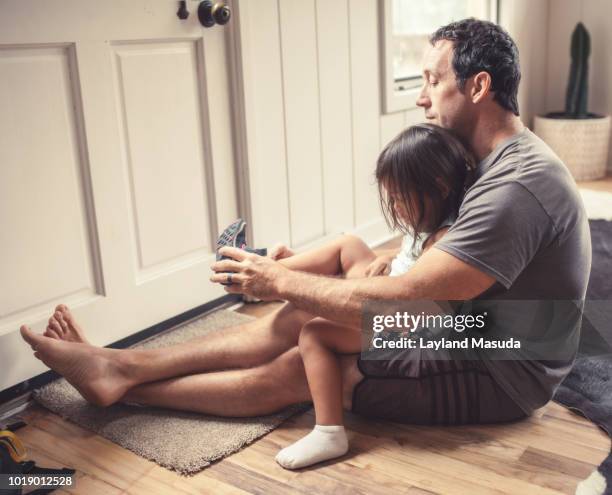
{"x": 523, "y": 223}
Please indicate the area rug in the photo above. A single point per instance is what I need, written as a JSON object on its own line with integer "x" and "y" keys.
{"x": 587, "y": 390}
{"x": 184, "y": 442}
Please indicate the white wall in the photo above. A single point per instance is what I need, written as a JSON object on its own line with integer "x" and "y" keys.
{"x": 527, "y": 21}
{"x": 314, "y": 124}
{"x": 314, "y": 127}
{"x": 595, "y": 15}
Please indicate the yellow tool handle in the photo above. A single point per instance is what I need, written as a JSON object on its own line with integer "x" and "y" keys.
{"x": 13, "y": 445}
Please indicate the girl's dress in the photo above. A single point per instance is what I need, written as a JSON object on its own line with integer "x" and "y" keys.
{"x": 410, "y": 251}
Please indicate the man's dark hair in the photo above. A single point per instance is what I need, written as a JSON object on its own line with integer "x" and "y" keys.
{"x": 484, "y": 46}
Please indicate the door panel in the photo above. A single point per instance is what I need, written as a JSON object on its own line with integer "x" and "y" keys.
{"x": 43, "y": 211}
{"x": 164, "y": 161}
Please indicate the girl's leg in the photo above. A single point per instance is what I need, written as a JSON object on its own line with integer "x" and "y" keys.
{"x": 348, "y": 255}
{"x": 320, "y": 341}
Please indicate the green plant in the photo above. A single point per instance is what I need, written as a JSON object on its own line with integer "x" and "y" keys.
{"x": 577, "y": 88}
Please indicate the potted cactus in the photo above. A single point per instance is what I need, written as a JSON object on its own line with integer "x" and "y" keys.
{"x": 580, "y": 138}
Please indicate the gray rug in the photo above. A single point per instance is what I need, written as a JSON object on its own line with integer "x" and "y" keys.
{"x": 184, "y": 442}
{"x": 587, "y": 390}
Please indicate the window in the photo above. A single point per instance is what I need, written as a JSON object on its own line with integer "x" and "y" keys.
{"x": 406, "y": 27}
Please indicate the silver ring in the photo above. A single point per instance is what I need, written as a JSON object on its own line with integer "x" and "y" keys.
{"x": 229, "y": 279}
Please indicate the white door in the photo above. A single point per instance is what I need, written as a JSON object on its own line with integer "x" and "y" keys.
{"x": 116, "y": 166}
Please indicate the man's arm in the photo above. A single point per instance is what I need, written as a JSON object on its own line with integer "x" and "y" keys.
{"x": 436, "y": 275}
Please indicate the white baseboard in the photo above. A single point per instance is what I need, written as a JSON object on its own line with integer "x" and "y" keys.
{"x": 375, "y": 232}
{"x": 15, "y": 406}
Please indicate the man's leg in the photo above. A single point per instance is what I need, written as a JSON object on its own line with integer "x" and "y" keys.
{"x": 104, "y": 375}
{"x": 240, "y": 346}
{"x": 264, "y": 389}
{"x": 260, "y": 390}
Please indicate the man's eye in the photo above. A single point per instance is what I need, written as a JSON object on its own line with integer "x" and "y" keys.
{"x": 433, "y": 83}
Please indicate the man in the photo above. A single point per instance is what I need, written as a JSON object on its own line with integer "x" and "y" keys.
{"x": 521, "y": 234}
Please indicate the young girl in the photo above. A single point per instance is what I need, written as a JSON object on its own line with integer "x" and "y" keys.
{"x": 422, "y": 176}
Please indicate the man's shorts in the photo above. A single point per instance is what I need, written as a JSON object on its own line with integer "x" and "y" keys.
{"x": 414, "y": 389}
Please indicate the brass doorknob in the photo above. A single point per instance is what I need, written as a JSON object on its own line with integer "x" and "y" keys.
{"x": 211, "y": 13}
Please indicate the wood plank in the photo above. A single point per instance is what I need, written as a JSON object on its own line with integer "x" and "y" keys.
{"x": 437, "y": 472}
{"x": 162, "y": 481}
{"x": 336, "y": 476}
{"x": 83, "y": 450}
{"x": 250, "y": 481}
{"x": 91, "y": 486}
{"x": 555, "y": 463}
{"x": 489, "y": 453}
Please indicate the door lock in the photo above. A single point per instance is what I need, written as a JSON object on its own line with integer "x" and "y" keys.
{"x": 211, "y": 13}
{"x": 182, "y": 13}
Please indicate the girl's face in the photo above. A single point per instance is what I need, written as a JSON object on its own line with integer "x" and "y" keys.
{"x": 410, "y": 214}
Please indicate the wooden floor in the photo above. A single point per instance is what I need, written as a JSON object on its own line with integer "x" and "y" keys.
{"x": 546, "y": 454}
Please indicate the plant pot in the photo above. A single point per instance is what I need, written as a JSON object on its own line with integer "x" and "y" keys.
{"x": 582, "y": 144}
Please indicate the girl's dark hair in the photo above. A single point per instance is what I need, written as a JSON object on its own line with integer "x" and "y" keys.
{"x": 423, "y": 161}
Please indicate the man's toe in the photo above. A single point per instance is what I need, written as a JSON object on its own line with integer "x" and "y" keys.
{"x": 60, "y": 318}
{"x": 54, "y": 325}
{"x": 29, "y": 336}
{"x": 67, "y": 316}
{"x": 49, "y": 332}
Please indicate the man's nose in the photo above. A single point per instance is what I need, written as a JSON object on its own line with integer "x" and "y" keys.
{"x": 423, "y": 99}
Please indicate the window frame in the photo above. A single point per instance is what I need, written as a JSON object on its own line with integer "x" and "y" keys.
{"x": 392, "y": 99}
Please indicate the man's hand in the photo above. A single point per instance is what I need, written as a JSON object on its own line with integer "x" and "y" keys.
{"x": 380, "y": 266}
{"x": 249, "y": 273}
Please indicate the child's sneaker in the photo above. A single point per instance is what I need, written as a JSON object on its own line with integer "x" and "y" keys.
{"x": 235, "y": 236}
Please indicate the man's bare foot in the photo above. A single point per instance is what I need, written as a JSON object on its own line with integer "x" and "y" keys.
{"x": 97, "y": 373}
{"x": 63, "y": 326}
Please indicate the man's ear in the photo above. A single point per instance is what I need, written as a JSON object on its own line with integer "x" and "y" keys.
{"x": 481, "y": 86}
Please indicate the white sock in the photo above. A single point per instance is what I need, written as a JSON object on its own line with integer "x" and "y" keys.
{"x": 321, "y": 444}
